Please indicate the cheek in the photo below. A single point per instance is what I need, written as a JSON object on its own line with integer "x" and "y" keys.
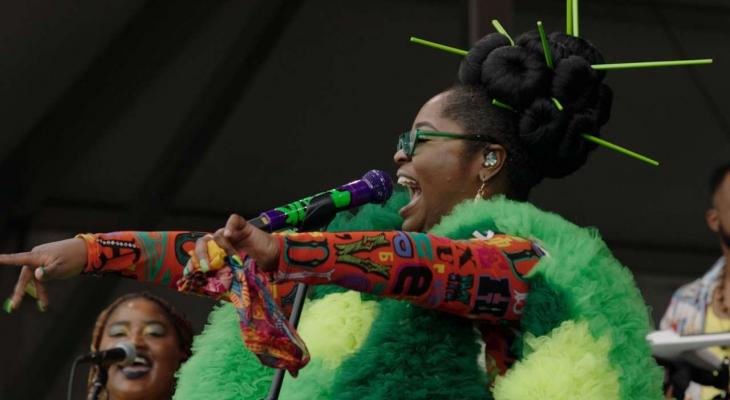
{"x": 444, "y": 175}
{"x": 167, "y": 353}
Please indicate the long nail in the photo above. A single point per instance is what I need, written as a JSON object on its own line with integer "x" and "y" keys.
{"x": 204, "y": 265}
{"x": 40, "y": 306}
{"x": 31, "y": 289}
{"x": 8, "y": 305}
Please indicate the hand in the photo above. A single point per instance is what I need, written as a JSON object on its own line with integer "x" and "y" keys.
{"x": 55, "y": 260}
{"x": 240, "y": 236}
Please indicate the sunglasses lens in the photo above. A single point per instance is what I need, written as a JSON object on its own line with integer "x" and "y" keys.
{"x": 403, "y": 143}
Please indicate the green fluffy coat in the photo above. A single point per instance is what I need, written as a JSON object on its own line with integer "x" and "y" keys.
{"x": 584, "y": 329}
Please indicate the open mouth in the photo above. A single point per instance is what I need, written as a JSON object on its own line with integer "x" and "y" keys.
{"x": 414, "y": 189}
{"x": 141, "y": 366}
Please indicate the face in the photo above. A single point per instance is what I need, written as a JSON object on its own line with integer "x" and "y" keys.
{"x": 144, "y": 324}
{"x": 718, "y": 217}
{"x": 437, "y": 176}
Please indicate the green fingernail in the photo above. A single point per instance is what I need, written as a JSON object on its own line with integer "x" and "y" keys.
{"x": 186, "y": 271}
{"x": 40, "y": 306}
{"x": 204, "y": 265}
{"x": 8, "y": 305}
{"x": 237, "y": 258}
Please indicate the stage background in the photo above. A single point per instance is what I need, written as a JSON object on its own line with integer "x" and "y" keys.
{"x": 152, "y": 114}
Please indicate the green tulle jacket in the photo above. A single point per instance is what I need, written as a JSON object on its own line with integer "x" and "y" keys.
{"x": 582, "y": 333}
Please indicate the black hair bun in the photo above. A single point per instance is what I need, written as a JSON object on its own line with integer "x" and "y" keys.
{"x": 470, "y": 70}
{"x": 519, "y": 77}
{"x": 575, "y": 82}
{"x": 515, "y": 76}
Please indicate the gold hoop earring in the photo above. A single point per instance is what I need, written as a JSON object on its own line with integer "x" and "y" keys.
{"x": 481, "y": 192}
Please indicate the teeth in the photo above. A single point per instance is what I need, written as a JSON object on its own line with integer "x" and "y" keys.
{"x": 404, "y": 181}
{"x": 141, "y": 360}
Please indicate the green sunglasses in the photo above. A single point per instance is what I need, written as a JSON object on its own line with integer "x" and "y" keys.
{"x": 407, "y": 140}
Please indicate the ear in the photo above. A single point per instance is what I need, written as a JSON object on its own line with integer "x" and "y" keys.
{"x": 713, "y": 220}
{"x": 492, "y": 162}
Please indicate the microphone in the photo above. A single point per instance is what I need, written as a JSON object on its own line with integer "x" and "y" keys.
{"x": 315, "y": 212}
{"x": 123, "y": 352}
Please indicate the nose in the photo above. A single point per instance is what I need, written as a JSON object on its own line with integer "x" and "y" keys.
{"x": 138, "y": 340}
{"x": 400, "y": 157}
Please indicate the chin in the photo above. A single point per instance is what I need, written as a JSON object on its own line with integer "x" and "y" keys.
{"x": 412, "y": 225}
{"x": 142, "y": 387}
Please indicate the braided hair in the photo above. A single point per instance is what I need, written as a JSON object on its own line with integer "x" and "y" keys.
{"x": 183, "y": 329}
{"x": 540, "y": 139}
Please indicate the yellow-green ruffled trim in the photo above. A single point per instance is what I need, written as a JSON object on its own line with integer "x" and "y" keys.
{"x": 334, "y": 327}
{"x": 566, "y": 364}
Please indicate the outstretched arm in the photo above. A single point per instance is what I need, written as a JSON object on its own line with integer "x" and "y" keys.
{"x": 155, "y": 257}
{"x": 481, "y": 278}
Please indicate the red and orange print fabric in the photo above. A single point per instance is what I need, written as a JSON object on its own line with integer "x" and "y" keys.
{"x": 478, "y": 278}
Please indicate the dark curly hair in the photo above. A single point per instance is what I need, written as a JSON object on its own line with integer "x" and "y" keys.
{"x": 717, "y": 177}
{"x": 183, "y": 328}
{"x": 541, "y": 140}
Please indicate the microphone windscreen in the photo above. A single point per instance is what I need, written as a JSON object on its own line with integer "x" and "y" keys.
{"x": 129, "y": 351}
{"x": 381, "y": 184}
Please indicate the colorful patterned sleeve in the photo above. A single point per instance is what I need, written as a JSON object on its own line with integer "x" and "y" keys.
{"x": 479, "y": 278}
{"x": 155, "y": 257}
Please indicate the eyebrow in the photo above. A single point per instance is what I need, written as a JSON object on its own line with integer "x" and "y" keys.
{"x": 126, "y": 323}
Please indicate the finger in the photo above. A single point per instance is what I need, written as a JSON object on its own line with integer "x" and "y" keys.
{"x": 189, "y": 268}
{"x": 201, "y": 252}
{"x": 48, "y": 272}
{"x": 30, "y": 289}
{"x": 26, "y": 275}
{"x": 262, "y": 246}
{"x": 42, "y": 296}
{"x": 27, "y": 258}
{"x": 234, "y": 228}
{"x": 223, "y": 241}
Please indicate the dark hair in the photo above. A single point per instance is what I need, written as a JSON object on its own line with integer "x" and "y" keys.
{"x": 717, "y": 177}
{"x": 540, "y": 140}
{"x": 183, "y": 328}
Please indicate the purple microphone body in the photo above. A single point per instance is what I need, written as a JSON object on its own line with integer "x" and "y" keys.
{"x": 314, "y": 212}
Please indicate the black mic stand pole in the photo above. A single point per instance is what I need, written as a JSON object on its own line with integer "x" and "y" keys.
{"x": 318, "y": 216}
{"x": 296, "y": 312}
{"x": 99, "y": 383}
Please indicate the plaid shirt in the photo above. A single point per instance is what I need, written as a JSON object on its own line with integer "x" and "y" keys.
{"x": 686, "y": 312}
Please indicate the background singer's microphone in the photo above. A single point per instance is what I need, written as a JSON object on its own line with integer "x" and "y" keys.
{"x": 123, "y": 352}
{"x": 315, "y": 212}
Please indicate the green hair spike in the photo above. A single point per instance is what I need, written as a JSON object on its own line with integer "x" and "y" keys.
{"x": 621, "y": 150}
{"x": 569, "y": 17}
{"x": 499, "y": 104}
{"x": 576, "y": 31}
{"x": 545, "y": 45}
{"x": 448, "y": 49}
{"x": 557, "y": 104}
{"x": 501, "y": 30}
{"x": 652, "y": 64}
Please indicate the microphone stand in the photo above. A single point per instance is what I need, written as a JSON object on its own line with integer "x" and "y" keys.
{"x": 296, "y": 312}
{"x": 99, "y": 383}
{"x": 319, "y": 215}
